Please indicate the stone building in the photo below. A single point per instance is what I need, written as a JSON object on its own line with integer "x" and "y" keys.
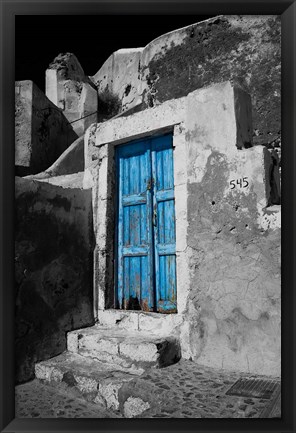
{"x": 156, "y": 233}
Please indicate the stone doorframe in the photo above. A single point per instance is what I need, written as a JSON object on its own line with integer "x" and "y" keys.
{"x": 228, "y": 131}
{"x": 100, "y": 142}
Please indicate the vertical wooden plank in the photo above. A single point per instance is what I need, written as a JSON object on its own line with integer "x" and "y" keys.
{"x": 169, "y": 219}
{"x": 166, "y": 169}
{"x": 134, "y": 175}
{"x": 134, "y": 225}
{"x": 125, "y": 283}
{"x": 142, "y": 173}
{"x": 125, "y": 175}
{"x": 159, "y": 171}
{"x": 171, "y": 278}
{"x": 147, "y": 295}
{"x": 143, "y": 226}
{"x": 126, "y": 224}
{"x": 162, "y": 277}
{"x": 134, "y": 282}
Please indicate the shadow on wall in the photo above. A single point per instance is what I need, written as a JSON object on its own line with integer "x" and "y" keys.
{"x": 53, "y": 269}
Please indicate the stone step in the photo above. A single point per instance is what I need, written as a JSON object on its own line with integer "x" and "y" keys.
{"x": 96, "y": 381}
{"x": 133, "y": 351}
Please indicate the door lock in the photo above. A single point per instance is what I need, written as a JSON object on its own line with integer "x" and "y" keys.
{"x": 150, "y": 183}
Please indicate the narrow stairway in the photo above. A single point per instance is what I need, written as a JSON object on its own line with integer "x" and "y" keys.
{"x": 100, "y": 359}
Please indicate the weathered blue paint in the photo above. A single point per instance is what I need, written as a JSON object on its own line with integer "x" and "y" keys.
{"x": 146, "y": 256}
{"x": 164, "y": 224}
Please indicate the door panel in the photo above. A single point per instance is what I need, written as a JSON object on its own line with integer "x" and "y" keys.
{"x": 134, "y": 279}
{"x": 164, "y": 224}
{"x": 146, "y": 262}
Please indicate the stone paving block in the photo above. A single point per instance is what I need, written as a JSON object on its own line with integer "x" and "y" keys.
{"x": 135, "y": 406}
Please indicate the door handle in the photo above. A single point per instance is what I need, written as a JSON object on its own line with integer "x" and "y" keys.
{"x": 154, "y": 218}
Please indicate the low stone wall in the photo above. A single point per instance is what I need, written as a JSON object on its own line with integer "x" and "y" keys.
{"x": 42, "y": 133}
{"x": 70, "y": 162}
{"x": 53, "y": 268}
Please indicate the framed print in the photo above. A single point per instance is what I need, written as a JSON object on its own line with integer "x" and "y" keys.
{"x": 147, "y": 272}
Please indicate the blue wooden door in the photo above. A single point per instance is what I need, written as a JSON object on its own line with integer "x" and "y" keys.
{"x": 146, "y": 261}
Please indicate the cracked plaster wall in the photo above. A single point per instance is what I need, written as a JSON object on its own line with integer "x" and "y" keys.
{"x": 233, "y": 243}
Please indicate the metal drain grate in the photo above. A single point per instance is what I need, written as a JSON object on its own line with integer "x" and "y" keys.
{"x": 256, "y": 388}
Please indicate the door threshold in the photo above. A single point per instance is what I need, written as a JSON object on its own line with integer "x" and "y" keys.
{"x": 139, "y": 320}
{"x": 148, "y": 313}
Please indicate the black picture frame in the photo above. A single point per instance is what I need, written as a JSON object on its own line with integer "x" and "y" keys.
{"x": 9, "y": 9}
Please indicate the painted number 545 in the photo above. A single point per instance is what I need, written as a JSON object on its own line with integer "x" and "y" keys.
{"x": 241, "y": 183}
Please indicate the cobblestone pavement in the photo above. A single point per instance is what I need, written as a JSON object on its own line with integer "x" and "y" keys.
{"x": 183, "y": 390}
{"x": 37, "y": 400}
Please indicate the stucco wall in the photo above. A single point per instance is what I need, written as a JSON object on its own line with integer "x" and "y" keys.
{"x": 53, "y": 269}
{"x": 245, "y": 49}
{"x": 233, "y": 307}
{"x": 227, "y": 234}
{"x": 42, "y": 132}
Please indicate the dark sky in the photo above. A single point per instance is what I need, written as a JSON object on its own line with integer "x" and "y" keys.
{"x": 40, "y": 38}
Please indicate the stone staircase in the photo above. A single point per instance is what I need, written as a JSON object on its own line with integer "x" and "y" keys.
{"x": 100, "y": 359}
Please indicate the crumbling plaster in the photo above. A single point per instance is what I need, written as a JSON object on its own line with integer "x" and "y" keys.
{"x": 228, "y": 275}
{"x": 245, "y": 49}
